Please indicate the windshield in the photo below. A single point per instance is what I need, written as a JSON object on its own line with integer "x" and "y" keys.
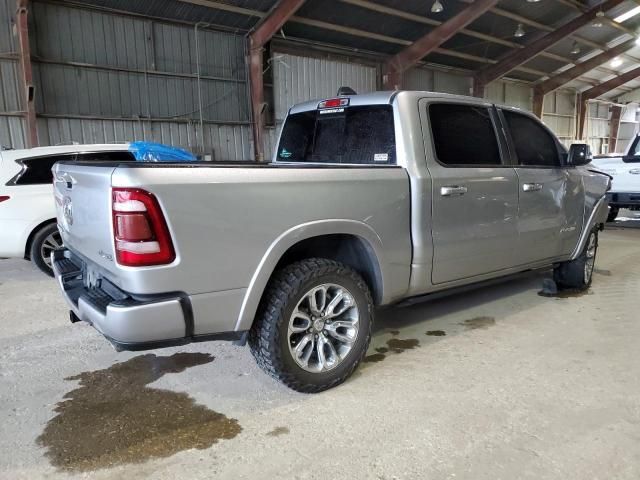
{"x": 350, "y": 135}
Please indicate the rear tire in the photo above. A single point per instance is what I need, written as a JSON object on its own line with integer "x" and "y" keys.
{"x": 313, "y": 326}
{"x": 613, "y": 214}
{"x": 44, "y": 242}
{"x": 577, "y": 274}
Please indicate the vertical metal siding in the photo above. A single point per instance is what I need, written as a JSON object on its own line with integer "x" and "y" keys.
{"x": 297, "y": 79}
{"x": 12, "y": 127}
{"x": 418, "y": 79}
{"x": 511, "y": 94}
{"x": 559, "y": 114}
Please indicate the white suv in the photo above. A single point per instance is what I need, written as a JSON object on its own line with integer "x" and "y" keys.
{"x": 27, "y": 212}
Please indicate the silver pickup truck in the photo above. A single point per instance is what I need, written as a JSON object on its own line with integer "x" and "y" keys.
{"x": 369, "y": 200}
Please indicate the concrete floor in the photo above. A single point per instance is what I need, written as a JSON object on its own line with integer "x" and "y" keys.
{"x": 506, "y": 385}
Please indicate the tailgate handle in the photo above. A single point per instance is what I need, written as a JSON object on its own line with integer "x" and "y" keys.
{"x": 532, "y": 187}
{"x": 452, "y": 190}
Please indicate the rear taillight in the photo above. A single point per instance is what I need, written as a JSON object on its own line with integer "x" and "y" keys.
{"x": 140, "y": 231}
{"x": 4, "y": 197}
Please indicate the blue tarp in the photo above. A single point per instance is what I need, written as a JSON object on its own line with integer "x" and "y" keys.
{"x": 157, "y": 152}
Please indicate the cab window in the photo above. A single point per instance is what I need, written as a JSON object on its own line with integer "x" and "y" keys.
{"x": 534, "y": 145}
{"x": 463, "y": 135}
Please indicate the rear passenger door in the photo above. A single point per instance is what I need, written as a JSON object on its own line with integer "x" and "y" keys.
{"x": 551, "y": 195}
{"x": 475, "y": 192}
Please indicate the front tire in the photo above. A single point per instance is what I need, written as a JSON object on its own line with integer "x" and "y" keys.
{"x": 577, "y": 274}
{"x": 313, "y": 326}
{"x": 45, "y": 241}
{"x": 613, "y": 214}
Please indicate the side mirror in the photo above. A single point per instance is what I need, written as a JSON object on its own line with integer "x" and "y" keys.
{"x": 579, "y": 154}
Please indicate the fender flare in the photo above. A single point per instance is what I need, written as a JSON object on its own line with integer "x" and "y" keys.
{"x": 293, "y": 236}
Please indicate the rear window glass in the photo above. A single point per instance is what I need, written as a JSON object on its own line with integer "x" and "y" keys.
{"x": 351, "y": 135}
{"x": 463, "y": 135}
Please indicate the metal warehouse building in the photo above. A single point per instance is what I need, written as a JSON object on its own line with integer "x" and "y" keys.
{"x": 175, "y": 71}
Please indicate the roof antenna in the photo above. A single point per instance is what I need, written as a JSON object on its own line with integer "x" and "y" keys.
{"x": 344, "y": 91}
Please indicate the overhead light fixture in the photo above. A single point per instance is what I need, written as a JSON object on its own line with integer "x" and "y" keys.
{"x": 575, "y": 48}
{"x": 598, "y": 20}
{"x": 437, "y": 7}
{"x": 616, "y": 62}
{"x": 533, "y": 1}
{"x": 519, "y": 31}
{"x": 626, "y": 16}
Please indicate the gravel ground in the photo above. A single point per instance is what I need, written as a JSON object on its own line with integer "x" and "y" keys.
{"x": 498, "y": 383}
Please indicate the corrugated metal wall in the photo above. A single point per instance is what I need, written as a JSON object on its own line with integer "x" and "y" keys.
{"x": 422, "y": 78}
{"x": 559, "y": 114}
{"x": 298, "y": 79}
{"x": 509, "y": 93}
{"x": 12, "y": 128}
{"x": 103, "y": 77}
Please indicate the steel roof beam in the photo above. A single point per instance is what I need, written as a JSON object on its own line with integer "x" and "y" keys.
{"x": 601, "y": 89}
{"x": 376, "y": 7}
{"x": 411, "y": 55}
{"x": 580, "y": 69}
{"x": 515, "y": 59}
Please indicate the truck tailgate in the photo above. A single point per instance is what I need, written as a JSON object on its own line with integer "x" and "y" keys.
{"x": 83, "y": 209}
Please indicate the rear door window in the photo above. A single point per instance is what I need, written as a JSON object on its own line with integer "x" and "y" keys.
{"x": 464, "y": 135}
{"x": 534, "y": 145}
{"x": 349, "y": 135}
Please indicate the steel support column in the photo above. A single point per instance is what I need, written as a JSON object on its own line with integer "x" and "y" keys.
{"x": 614, "y": 127}
{"x": 257, "y": 39}
{"x": 28, "y": 90}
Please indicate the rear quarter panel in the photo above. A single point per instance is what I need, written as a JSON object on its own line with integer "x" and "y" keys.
{"x": 225, "y": 221}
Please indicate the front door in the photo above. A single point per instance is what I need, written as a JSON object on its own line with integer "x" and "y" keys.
{"x": 551, "y": 196}
{"x": 475, "y": 195}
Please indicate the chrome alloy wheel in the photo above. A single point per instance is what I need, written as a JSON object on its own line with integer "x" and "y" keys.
{"x": 323, "y": 328}
{"x": 51, "y": 243}
{"x": 591, "y": 258}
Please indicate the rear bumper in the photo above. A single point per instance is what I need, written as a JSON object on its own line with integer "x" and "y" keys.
{"x": 624, "y": 199}
{"x": 129, "y": 322}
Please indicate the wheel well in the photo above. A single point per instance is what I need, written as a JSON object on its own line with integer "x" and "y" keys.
{"x": 27, "y": 248}
{"x": 351, "y": 250}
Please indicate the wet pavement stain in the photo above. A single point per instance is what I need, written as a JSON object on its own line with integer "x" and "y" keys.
{"x": 397, "y": 345}
{"x": 606, "y": 273}
{"x": 276, "y": 432}
{"x": 374, "y": 358}
{"x": 478, "y": 322}
{"x": 114, "y": 418}
{"x": 436, "y": 333}
{"x": 395, "y": 333}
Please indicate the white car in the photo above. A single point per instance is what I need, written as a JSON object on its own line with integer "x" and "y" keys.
{"x": 625, "y": 170}
{"x": 27, "y": 212}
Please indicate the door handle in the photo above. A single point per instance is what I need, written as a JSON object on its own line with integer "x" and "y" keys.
{"x": 532, "y": 187}
{"x": 452, "y": 190}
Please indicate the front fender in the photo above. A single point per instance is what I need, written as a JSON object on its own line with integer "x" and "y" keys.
{"x": 295, "y": 235}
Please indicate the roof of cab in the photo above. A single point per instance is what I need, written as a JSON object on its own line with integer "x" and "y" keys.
{"x": 388, "y": 97}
